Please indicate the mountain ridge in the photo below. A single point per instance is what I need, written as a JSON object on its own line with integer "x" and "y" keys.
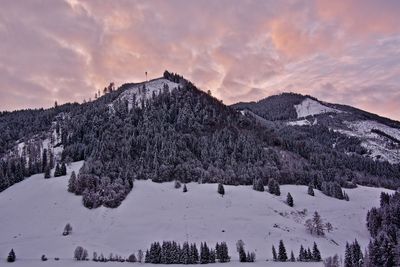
{"x": 178, "y": 132}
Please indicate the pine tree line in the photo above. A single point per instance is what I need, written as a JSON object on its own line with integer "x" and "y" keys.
{"x": 243, "y": 256}
{"x": 170, "y": 252}
{"x": 353, "y": 255}
{"x": 384, "y": 226}
{"x": 308, "y": 255}
{"x": 333, "y": 189}
{"x": 304, "y": 254}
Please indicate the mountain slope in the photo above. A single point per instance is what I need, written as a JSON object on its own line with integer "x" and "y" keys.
{"x": 167, "y": 129}
{"x": 344, "y": 130}
{"x": 35, "y": 211}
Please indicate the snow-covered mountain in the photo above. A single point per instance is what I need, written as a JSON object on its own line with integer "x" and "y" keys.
{"x": 129, "y": 145}
{"x": 380, "y": 137}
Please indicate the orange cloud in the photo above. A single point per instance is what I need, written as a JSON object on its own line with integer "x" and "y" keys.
{"x": 240, "y": 50}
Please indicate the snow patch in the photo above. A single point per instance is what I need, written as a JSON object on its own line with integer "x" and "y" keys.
{"x": 303, "y": 122}
{"x": 299, "y": 123}
{"x": 310, "y": 107}
{"x": 138, "y": 92}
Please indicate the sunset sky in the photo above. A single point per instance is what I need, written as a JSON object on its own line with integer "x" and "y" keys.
{"x": 343, "y": 51}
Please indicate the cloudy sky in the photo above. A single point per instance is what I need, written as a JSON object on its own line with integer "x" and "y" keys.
{"x": 343, "y": 51}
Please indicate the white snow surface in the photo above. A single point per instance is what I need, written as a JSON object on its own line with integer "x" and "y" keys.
{"x": 378, "y": 146}
{"x": 69, "y": 263}
{"x": 310, "y": 107}
{"x": 35, "y": 211}
{"x": 156, "y": 86}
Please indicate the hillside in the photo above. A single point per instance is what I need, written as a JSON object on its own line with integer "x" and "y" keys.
{"x": 319, "y": 130}
{"x": 167, "y": 129}
{"x": 378, "y": 138}
{"x": 35, "y": 211}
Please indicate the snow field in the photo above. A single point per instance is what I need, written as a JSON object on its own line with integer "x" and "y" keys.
{"x": 35, "y": 211}
{"x": 309, "y": 107}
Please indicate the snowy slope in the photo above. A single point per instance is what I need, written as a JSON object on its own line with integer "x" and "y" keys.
{"x": 310, "y": 107}
{"x": 303, "y": 122}
{"x": 379, "y": 147}
{"x": 35, "y": 211}
{"x": 145, "y": 90}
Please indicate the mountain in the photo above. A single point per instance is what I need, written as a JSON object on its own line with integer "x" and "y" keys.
{"x": 167, "y": 129}
{"x": 379, "y": 137}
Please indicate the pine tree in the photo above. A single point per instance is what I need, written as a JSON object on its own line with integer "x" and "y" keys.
{"x": 273, "y": 187}
{"x": 185, "y": 253}
{"x": 11, "y": 256}
{"x": 221, "y": 189}
{"x": 147, "y": 257}
{"x": 44, "y": 160}
{"x": 282, "y": 256}
{"x": 195, "y": 253}
{"x": 289, "y": 200}
{"x": 292, "y": 258}
{"x": 63, "y": 169}
{"x": 348, "y": 262}
{"x": 72, "y": 182}
{"x": 274, "y": 256}
{"x": 212, "y": 256}
{"x": 277, "y": 189}
{"x": 204, "y": 253}
{"x": 302, "y": 254}
{"x": 47, "y": 172}
{"x": 217, "y": 251}
{"x": 57, "y": 172}
{"x": 223, "y": 253}
{"x": 357, "y": 255}
{"x": 309, "y": 255}
{"x": 316, "y": 255}
{"x": 310, "y": 190}
{"x": 354, "y": 256}
{"x": 258, "y": 185}
{"x": 241, "y": 251}
{"x": 184, "y": 188}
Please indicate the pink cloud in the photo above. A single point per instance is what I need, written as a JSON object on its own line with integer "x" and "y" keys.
{"x": 241, "y": 50}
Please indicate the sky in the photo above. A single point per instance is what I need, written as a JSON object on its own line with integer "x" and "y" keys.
{"x": 344, "y": 51}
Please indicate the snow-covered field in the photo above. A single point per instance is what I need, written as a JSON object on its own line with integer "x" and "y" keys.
{"x": 35, "y": 211}
{"x": 310, "y": 107}
{"x": 68, "y": 263}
